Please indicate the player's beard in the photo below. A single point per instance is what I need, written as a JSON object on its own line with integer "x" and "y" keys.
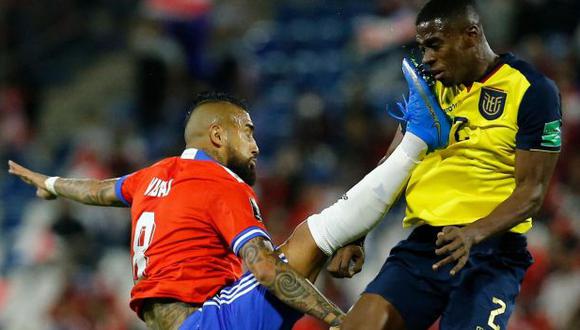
{"x": 245, "y": 169}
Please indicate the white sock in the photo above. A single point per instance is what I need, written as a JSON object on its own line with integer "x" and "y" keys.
{"x": 364, "y": 205}
{"x": 414, "y": 147}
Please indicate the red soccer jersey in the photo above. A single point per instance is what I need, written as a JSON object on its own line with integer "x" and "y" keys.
{"x": 190, "y": 218}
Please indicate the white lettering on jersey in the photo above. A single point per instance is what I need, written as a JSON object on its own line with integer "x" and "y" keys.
{"x": 158, "y": 188}
{"x": 151, "y": 185}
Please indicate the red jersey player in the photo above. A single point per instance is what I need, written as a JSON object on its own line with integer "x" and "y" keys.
{"x": 194, "y": 216}
{"x": 193, "y": 237}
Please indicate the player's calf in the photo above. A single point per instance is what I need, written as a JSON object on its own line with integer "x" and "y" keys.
{"x": 307, "y": 258}
{"x": 302, "y": 253}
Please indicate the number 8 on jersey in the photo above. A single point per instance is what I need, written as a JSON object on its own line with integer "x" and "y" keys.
{"x": 144, "y": 230}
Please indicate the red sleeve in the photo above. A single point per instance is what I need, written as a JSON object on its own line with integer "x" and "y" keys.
{"x": 236, "y": 216}
{"x": 126, "y": 185}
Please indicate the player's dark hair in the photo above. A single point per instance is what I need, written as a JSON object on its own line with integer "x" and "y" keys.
{"x": 215, "y": 97}
{"x": 445, "y": 10}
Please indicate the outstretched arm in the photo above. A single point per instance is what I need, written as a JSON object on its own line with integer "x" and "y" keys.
{"x": 86, "y": 191}
{"x": 286, "y": 283}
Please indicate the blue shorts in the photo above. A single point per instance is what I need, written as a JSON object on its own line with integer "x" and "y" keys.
{"x": 243, "y": 305}
{"x": 481, "y": 296}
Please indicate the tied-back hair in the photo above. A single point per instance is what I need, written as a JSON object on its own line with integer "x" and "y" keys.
{"x": 215, "y": 97}
{"x": 446, "y": 10}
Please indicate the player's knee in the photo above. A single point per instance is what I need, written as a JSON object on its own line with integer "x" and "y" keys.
{"x": 350, "y": 324}
{"x": 364, "y": 322}
{"x": 373, "y": 312}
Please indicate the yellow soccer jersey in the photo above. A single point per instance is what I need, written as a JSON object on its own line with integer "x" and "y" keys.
{"x": 513, "y": 107}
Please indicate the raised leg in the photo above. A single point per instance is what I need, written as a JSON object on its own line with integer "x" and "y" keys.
{"x": 302, "y": 252}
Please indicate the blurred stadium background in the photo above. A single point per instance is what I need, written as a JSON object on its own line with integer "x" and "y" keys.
{"x": 99, "y": 88}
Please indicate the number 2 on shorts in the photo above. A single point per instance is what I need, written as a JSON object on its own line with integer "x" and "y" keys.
{"x": 496, "y": 312}
{"x": 144, "y": 229}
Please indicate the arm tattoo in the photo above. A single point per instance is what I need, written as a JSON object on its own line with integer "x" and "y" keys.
{"x": 89, "y": 191}
{"x": 166, "y": 315}
{"x": 289, "y": 286}
{"x": 286, "y": 284}
{"x": 250, "y": 255}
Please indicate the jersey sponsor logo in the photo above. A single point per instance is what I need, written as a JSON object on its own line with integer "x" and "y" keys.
{"x": 450, "y": 108}
{"x": 158, "y": 188}
{"x": 491, "y": 103}
{"x": 552, "y": 135}
{"x": 256, "y": 209}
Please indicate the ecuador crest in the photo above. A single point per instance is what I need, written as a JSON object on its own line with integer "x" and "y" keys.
{"x": 491, "y": 103}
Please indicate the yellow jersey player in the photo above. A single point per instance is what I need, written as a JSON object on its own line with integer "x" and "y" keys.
{"x": 470, "y": 203}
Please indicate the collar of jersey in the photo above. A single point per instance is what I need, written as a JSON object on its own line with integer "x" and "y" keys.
{"x": 196, "y": 154}
{"x": 503, "y": 59}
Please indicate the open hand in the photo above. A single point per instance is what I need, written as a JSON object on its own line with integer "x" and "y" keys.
{"x": 32, "y": 178}
{"x": 455, "y": 242}
{"x": 347, "y": 261}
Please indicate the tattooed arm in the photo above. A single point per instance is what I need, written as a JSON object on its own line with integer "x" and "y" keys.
{"x": 86, "y": 191}
{"x": 286, "y": 284}
{"x": 89, "y": 191}
{"x": 166, "y": 313}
